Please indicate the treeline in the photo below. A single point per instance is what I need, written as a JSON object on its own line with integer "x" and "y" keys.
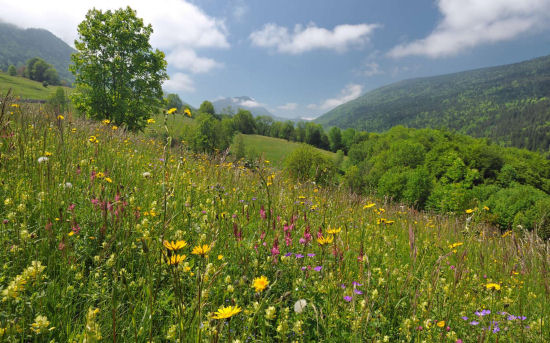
{"x": 38, "y": 70}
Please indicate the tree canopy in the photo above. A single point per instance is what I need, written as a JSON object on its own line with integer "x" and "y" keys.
{"x": 118, "y": 74}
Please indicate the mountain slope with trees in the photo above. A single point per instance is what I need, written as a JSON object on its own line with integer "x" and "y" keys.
{"x": 509, "y": 104}
{"x": 20, "y": 45}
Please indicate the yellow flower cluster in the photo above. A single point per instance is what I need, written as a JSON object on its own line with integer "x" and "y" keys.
{"x": 17, "y": 285}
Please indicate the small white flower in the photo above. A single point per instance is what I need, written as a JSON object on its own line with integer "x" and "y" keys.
{"x": 68, "y": 185}
{"x": 146, "y": 174}
{"x": 42, "y": 159}
{"x": 300, "y": 305}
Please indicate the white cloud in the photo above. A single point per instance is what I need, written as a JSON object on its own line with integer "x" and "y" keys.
{"x": 349, "y": 93}
{"x": 311, "y": 37}
{"x": 179, "y": 82}
{"x": 240, "y": 9}
{"x": 180, "y": 28}
{"x": 251, "y": 103}
{"x": 371, "y": 68}
{"x": 187, "y": 59}
{"x": 291, "y": 106}
{"x": 468, "y": 23}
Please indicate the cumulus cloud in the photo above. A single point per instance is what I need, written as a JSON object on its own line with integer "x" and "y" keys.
{"x": 250, "y": 103}
{"x": 468, "y": 23}
{"x": 179, "y": 82}
{"x": 304, "y": 39}
{"x": 349, "y": 93}
{"x": 291, "y": 106}
{"x": 180, "y": 27}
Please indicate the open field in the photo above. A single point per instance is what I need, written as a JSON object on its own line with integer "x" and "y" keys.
{"x": 110, "y": 236}
{"x": 25, "y": 88}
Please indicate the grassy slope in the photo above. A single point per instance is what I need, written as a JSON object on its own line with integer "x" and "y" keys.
{"x": 94, "y": 215}
{"x": 25, "y": 88}
{"x": 275, "y": 149}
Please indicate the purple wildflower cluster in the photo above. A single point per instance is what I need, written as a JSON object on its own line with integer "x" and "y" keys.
{"x": 357, "y": 291}
{"x": 494, "y": 325}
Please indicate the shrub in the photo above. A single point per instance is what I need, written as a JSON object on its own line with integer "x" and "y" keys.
{"x": 308, "y": 164}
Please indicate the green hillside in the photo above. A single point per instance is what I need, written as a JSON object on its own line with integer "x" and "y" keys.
{"x": 25, "y": 88}
{"x": 509, "y": 104}
{"x": 18, "y": 45}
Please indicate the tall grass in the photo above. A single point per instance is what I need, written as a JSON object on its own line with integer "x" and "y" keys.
{"x": 86, "y": 208}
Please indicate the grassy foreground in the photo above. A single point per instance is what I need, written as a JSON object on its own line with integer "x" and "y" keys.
{"x": 107, "y": 236}
{"x": 25, "y": 88}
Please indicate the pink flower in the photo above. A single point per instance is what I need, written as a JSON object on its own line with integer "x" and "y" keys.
{"x": 262, "y": 212}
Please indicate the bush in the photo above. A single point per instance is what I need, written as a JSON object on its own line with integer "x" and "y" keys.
{"x": 308, "y": 164}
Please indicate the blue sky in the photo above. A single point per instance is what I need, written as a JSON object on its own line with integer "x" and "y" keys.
{"x": 302, "y": 58}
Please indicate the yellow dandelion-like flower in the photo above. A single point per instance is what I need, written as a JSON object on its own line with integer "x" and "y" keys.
{"x": 172, "y": 110}
{"x": 108, "y": 179}
{"x": 441, "y": 323}
{"x": 176, "y": 259}
{"x": 47, "y": 154}
{"x": 60, "y": 117}
{"x": 455, "y": 245}
{"x": 93, "y": 139}
{"x": 226, "y": 312}
{"x": 492, "y": 286}
{"x": 187, "y": 112}
{"x": 220, "y": 257}
{"x": 260, "y": 283}
{"x": 114, "y": 127}
{"x": 369, "y": 205}
{"x": 325, "y": 240}
{"x": 100, "y": 175}
{"x": 106, "y": 121}
{"x": 468, "y": 211}
{"x": 150, "y": 121}
{"x": 486, "y": 208}
{"x": 334, "y": 231}
{"x": 201, "y": 250}
{"x": 177, "y": 245}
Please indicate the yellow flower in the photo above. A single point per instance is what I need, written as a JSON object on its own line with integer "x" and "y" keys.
{"x": 493, "y": 286}
{"x": 93, "y": 139}
{"x": 108, "y": 179}
{"x": 106, "y": 121}
{"x": 454, "y": 245}
{"x": 325, "y": 240}
{"x": 220, "y": 257}
{"x": 176, "y": 259}
{"x": 150, "y": 121}
{"x": 177, "y": 245}
{"x": 369, "y": 205}
{"x": 47, "y": 154}
{"x": 260, "y": 283}
{"x": 226, "y": 312}
{"x": 40, "y": 324}
{"x": 187, "y": 112}
{"x": 468, "y": 211}
{"x": 486, "y": 208}
{"x": 441, "y": 323}
{"x": 60, "y": 117}
{"x": 100, "y": 175}
{"x": 172, "y": 110}
{"x": 202, "y": 251}
{"x": 334, "y": 230}
{"x": 114, "y": 127}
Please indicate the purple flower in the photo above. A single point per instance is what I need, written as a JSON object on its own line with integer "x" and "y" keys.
{"x": 311, "y": 255}
{"x": 303, "y": 268}
{"x": 521, "y": 317}
{"x": 288, "y": 254}
{"x": 464, "y": 318}
{"x": 299, "y": 256}
{"x": 474, "y": 322}
{"x": 356, "y": 283}
{"x": 496, "y": 329}
{"x": 347, "y": 298}
{"x": 511, "y": 317}
{"x": 253, "y": 199}
{"x": 483, "y": 313}
{"x": 318, "y": 268}
{"x": 343, "y": 286}
{"x": 356, "y": 291}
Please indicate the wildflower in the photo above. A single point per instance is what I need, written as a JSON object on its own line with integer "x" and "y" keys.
{"x": 356, "y": 291}
{"x": 106, "y": 121}
{"x": 455, "y": 245}
{"x": 201, "y": 250}
{"x": 334, "y": 231}
{"x": 485, "y": 208}
{"x": 146, "y": 174}
{"x": 60, "y": 117}
{"x": 441, "y": 323}
{"x": 150, "y": 121}
{"x": 468, "y": 211}
{"x": 40, "y": 324}
{"x": 369, "y": 205}
{"x": 176, "y": 259}
{"x": 187, "y": 112}
{"x": 325, "y": 240}
{"x": 260, "y": 283}
{"x": 108, "y": 179}
{"x": 114, "y": 127}
{"x": 270, "y": 313}
{"x": 42, "y": 159}
{"x": 318, "y": 268}
{"x": 226, "y": 312}
{"x": 482, "y": 313}
{"x": 299, "y": 256}
{"x": 493, "y": 286}
{"x": 177, "y": 245}
{"x": 220, "y": 257}
{"x": 93, "y": 139}
{"x": 172, "y": 110}
{"x": 347, "y": 298}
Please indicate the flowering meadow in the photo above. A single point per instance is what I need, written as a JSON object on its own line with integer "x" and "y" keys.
{"x": 111, "y": 236}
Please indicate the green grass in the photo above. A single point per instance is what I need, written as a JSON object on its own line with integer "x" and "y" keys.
{"x": 25, "y": 88}
{"x": 85, "y": 209}
{"x": 274, "y": 150}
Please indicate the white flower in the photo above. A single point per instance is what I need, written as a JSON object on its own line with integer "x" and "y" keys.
{"x": 42, "y": 159}
{"x": 300, "y": 305}
{"x": 146, "y": 174}
{"x": 68, "y": 185}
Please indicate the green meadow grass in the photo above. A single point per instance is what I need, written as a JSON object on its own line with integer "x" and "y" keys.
{"x": 87, "y": 214}
{"x": 25, "y": 88}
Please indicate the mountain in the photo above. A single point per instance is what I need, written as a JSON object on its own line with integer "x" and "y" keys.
{"x": 244, "y": 102}
{"x": 509, "y": 104}
{"x": 18, "y": 45}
